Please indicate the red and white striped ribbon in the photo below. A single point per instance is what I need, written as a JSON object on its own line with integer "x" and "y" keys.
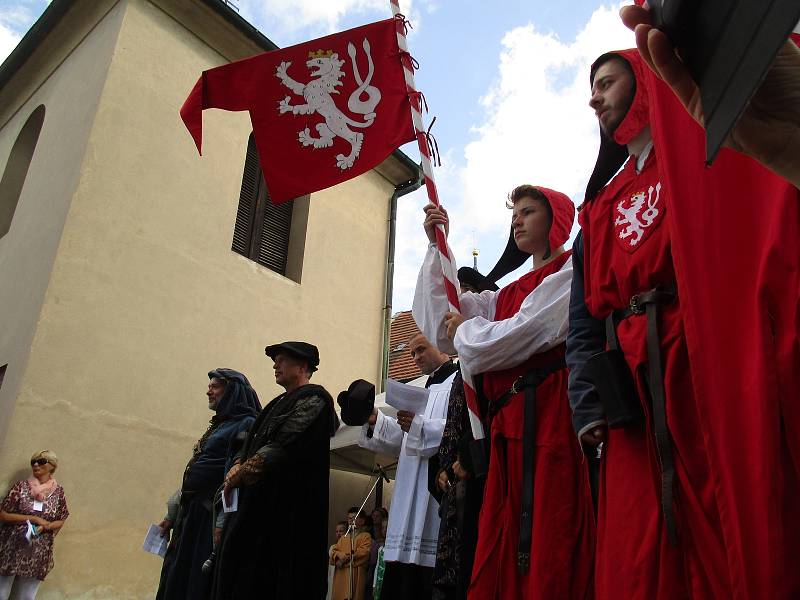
{"x": 448, "y": 262}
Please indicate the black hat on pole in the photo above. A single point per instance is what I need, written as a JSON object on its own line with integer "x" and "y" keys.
{"x": 301, "y": 350}
{"x": 473, "y": 278}
{"x": 357, "y": 402}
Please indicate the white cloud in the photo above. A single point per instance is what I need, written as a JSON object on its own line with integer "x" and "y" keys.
{"x": 536, "y": 127}
{"x": 8, "y": 41}
{"x": 285, "y": 19}
{"x": 15, "y": 21}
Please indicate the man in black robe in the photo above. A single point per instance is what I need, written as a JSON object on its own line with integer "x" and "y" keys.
{"x": 275, "y": 545}
{"x": 235, "y": 404}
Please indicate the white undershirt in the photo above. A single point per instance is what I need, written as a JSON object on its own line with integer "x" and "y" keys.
{"x": 642, "y": 158}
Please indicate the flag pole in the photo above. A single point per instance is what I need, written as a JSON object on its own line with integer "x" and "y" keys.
{"x": 447, "y": 261}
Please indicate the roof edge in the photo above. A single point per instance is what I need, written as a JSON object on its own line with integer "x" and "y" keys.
{"x": 38, "y": 31}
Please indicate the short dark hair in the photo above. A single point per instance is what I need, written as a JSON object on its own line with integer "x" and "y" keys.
{"x": 310, "y": 368}
{"x": 529, "y": 191}
{"x": 608, "y": 57}
{"x": 352, "y": 509}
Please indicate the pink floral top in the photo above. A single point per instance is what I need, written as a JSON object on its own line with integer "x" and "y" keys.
{"x": 18, "y": 556}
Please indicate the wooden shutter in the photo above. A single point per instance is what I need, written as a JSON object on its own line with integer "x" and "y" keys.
{"x": 262, "y": 230}
{"x": 248, "y": 198}
{"x": 273, "y": 248}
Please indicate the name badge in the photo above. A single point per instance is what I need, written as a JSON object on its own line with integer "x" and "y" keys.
{"x": 38, "y": 506}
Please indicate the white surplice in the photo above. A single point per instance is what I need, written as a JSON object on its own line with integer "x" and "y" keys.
{"x": 413, "y": 528}
{"x": 483, "y": 344}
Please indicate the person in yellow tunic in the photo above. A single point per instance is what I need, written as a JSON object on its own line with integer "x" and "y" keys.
{"x": 340, "y": 558}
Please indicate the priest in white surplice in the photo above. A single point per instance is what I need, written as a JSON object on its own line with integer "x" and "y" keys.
{"x": 410, "y": 550}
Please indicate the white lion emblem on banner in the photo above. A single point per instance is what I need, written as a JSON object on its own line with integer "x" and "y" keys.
{"x": 325, "y": 69}
{"x": 633, "y": 219}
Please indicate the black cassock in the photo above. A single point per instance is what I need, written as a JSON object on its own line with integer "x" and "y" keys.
{"x": 275, "y": 545}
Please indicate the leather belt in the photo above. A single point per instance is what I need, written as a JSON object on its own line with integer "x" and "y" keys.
{"x": 647, "y": 303}
{"x": 527, "y": 383}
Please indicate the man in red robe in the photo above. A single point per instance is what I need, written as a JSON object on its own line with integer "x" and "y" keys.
{"x": 665, "y": 526}
{"x": 536, "y": 527}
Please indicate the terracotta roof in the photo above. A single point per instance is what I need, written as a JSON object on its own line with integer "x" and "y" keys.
{"x": 402, "y": 329}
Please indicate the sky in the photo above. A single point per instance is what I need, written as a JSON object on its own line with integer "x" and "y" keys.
{"x": 507, "y": 81}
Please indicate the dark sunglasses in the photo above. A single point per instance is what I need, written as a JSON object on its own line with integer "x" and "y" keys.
{"x": 40, "y": 461}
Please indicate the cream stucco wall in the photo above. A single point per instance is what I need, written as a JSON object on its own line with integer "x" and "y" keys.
{"x": 67, "y": 81}
{"x": 145, "y": 295}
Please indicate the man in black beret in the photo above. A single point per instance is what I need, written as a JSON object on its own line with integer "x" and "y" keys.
{"x": 275, "y": 544}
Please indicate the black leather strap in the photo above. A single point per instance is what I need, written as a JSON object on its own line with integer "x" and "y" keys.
{"x": 648, "y": 303}
{"x": 526, "y": 501}
{"x": 528, "y": 383}
{"x": 655, "y": 378}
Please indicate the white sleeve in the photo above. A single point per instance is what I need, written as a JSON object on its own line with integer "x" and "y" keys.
{"x": 424, "y": 436}
{"x": 387, "y": 437}
{"x": 430, "y": 302}
{"x": 541, "y": 324}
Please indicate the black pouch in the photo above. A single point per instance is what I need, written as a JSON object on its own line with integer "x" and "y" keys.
{"x": 612, "y": 378}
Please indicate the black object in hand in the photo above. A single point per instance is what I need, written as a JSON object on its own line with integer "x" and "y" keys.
{"x": 357, "y": 402}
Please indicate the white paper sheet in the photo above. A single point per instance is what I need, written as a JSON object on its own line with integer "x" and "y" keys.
{"x": 154, "y": 542}
{"x": 406, "y": 397}
{"x": 230, "y": 500}
{"x": 30, "y": 532}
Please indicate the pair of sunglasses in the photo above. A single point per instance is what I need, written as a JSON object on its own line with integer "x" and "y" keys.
{"x": 39, "y": 461}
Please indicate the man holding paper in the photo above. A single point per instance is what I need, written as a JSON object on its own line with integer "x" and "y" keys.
{"x": 414, "y": 436}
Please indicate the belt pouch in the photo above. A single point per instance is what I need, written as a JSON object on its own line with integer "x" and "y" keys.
{"x": 612, "y": 378}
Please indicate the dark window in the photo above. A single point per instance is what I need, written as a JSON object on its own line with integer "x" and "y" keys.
{"x": 16, "y": 169}
{"x": 262, "y": 230}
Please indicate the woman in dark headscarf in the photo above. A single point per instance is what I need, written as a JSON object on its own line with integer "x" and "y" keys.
{"x": 236, "y": 405}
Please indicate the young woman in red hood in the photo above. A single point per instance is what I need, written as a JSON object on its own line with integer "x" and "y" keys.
{"x": 536, "y": 529}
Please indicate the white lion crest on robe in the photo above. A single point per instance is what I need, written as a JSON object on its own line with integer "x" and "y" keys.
{"x": 635, "y": 220}
{"x": 325, "y": 68}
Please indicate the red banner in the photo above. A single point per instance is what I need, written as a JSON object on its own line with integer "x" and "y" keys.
{"x": 323, "y": 112}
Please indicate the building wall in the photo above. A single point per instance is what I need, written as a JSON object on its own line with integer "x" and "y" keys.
{"x": 145, "y": 296}
{"x": 68, "y": 82}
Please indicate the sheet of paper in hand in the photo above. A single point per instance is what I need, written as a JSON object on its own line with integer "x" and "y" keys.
{"x": 31, "y": 532}
{"x": 230, "y": 500}
{"x": 406, "y": 397}
{"x": 154, "y": 542}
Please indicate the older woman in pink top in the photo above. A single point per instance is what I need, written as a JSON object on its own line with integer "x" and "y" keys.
{"x": 31, "y": 515}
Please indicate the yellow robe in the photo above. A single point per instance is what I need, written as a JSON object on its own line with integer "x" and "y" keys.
{"x": 362, "y": 542}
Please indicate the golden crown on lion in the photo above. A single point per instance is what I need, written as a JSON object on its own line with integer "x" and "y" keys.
{"x": 320, "y": 54}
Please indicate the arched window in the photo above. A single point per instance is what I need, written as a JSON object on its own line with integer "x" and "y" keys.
{"x": 17, "y": 167}
{"x": 272, "y": 236}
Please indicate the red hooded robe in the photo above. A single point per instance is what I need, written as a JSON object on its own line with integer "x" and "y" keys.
{"x": 562, "y": 547}
{"x": 735, "y": 232}
{"x": 727, "y": 345}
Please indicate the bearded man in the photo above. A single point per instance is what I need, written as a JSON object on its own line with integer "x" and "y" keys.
{"x": 668, "y": 524}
